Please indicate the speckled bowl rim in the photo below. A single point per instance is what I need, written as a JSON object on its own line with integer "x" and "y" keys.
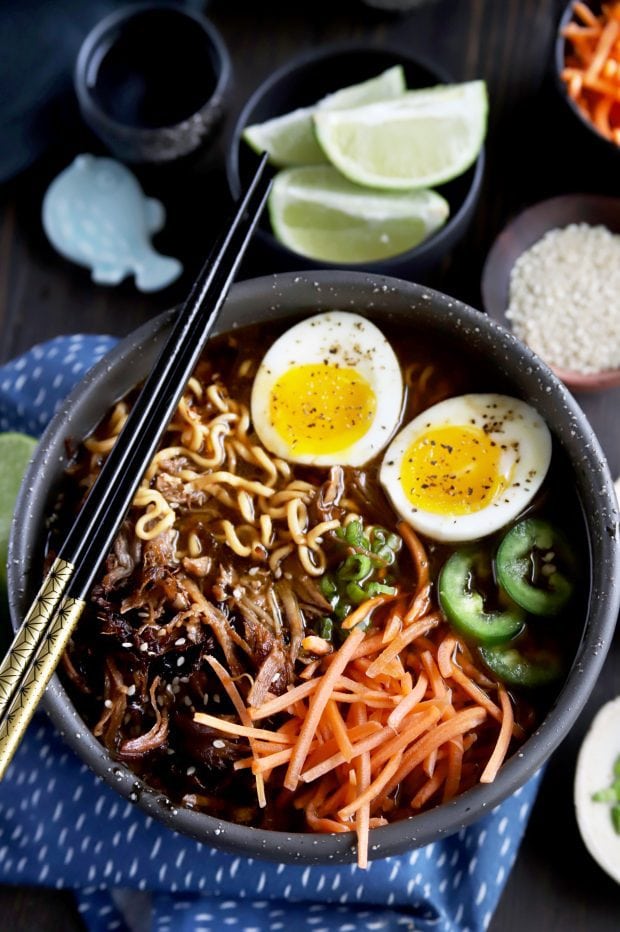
{"x": 281, "y": 296}
{"x": 437, "y": 244}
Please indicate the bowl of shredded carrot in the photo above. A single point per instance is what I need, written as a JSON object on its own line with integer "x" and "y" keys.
{"x": 276, "y": 658}
{"x": 588, "y": 65}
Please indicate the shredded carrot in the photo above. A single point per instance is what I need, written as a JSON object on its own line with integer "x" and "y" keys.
{"x": 317, "y": 704}
{"x": 453, "y": 774}
{"x": 284, "y": 701}
{"x": 479, "y": 695}
{"x": 399, "y": 706}
{"x": 401, "y": 641}
{"x": 360, "y": 747}
{"x": 362, "y": 813}
{"x": 434, "y": 676}
{"x": 445, "y": 654}
{"x": 232, "y": 728}
{"x": 393, "y": 626}
{"x": 429, "y": 788}
{"x": 309, "y": 670}
{"x": 418, "y": 554}
{"x": 319, "y": 824}
{"x": 585, "y": 14}
{"x": 503, "y": 741}
{"x": 415, "y": 725}
{"x": 241, "y": 710}
{"x": 374, "y": 788}
{"x": 339, "y": 730}
{"x": 458, "y": 724}
{"x": 329, "y": 748}
{"x": 408, "y": 702}
{"x": 592, "y": 72}
{"x": 363, "y": 611}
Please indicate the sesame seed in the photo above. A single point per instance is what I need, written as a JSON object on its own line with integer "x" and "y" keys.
{"x": 564, "y": 298}
{"x": 218, "y": 743}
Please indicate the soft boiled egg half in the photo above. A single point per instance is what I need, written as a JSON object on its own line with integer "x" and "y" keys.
{"x": 467, "y": 466}
{"x": 328, "y": 392}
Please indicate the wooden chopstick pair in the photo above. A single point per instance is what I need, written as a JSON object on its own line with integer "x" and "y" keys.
{"x": 40, "y": 641}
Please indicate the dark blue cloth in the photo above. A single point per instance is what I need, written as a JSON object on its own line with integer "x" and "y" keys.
{"x": 61, "y": 826}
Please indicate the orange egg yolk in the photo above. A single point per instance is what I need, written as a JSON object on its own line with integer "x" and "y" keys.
{"x": 318, "y": 408}
{"x": 452, "y": 470}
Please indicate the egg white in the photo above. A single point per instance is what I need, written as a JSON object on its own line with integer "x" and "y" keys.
{"x": 341, "y": 339}
{"x": 513, "y": 425}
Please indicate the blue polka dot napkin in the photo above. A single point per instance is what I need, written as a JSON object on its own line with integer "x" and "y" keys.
{"x": 61, "y": 826}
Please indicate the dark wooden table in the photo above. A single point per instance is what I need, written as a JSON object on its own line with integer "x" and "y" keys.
{"x": 533, "y": 151}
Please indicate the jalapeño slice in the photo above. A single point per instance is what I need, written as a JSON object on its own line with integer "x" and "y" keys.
{"x": 464, "y": 605}
{"x": 527, "y": 566}
{"x": 531, "y": 668}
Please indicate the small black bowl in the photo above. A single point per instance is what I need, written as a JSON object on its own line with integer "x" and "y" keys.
{"x": 151, "y": 81}
{"x": 445, "y": 320}
{"x": 302, "y": 82}
{"x": 605, "y": 148}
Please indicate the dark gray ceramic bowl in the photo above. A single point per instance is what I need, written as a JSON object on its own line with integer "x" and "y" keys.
{"x": 151, "y": 81}
{"x": 300, "y": 83}
{"x": 382, "y": 299}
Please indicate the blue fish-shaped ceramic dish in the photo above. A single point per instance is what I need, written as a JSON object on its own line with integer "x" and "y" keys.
{"x": 96, "y": 214}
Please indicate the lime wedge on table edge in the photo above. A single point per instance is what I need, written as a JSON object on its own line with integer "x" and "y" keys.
{"x": 319, "y": 214}
{"x": 15, "y": 453}
{"x": 420, "y": 139}
{"x": 290, "y": 139}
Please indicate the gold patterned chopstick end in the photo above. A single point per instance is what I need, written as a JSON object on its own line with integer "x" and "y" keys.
{"x": 28, "y": 638}
{"x": 63, "y": 617}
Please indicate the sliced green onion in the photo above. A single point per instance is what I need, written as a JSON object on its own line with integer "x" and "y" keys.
{"x": 386, "y": 554}
{"x": 355, "y": 593}
{"x": 353, "y": 534}
{"x": 341, "y": 610}
{"x": 327, "y": 586}
{"x": 355, "y": 567}
{"x": 375, "y": 588}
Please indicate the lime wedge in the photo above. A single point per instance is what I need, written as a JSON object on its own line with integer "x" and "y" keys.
{"x": 290, "y": 139}
{"x": 419, "y": 139}
{"x": 319, "y": 214}
{"x": 15, "y": 453}
{"x": 386, "y": 86}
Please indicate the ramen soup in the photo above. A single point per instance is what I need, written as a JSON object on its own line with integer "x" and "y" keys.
{"x": 348, "y": 587}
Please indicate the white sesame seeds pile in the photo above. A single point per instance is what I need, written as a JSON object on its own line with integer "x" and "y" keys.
{"x": 565, "y": 298}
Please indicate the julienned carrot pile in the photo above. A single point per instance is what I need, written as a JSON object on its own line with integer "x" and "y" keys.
{"x": 592, "y": 66}
{"x": 400, "y": 710}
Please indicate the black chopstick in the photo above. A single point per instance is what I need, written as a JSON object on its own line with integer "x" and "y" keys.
{"x": 40, "y": 641}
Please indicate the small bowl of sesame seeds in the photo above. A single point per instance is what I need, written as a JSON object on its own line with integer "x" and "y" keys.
{"x": 553, "y": 276}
